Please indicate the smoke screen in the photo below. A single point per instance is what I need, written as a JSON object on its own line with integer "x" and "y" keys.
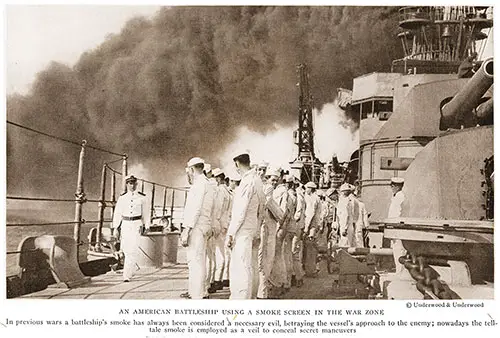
{"x": 183, "y": 83}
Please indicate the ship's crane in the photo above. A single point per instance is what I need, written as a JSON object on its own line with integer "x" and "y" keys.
{"x": 306, "y": 165}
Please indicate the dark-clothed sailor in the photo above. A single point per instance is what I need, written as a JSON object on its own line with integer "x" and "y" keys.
{"x": 132, "y": 211}
{"x": 311, "y": 229}
{"x": 244, "y": 229}
{"x": 331, "y": 215}
{"x": 291, "y": 230}
{"x": 278, "y": 272}
{"x": 297, "y": 242}
{"x": 197, "y": 225}
{"x": 395, "y": 210}
{"x": 234, "y": 181}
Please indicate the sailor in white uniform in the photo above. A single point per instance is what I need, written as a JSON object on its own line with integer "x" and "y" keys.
{"x": 395, "y": 210}
{"x": 132, "y": 211}
{"x": 243, "y": 233}
{"x": 221, "y": 216}
{"x": 209, "y": 282}
{"x": 197, "y": 224}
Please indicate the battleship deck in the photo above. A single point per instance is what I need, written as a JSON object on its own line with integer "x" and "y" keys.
{"x": 169, "y": 282}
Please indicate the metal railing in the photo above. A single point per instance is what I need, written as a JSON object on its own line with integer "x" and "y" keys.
{"x": 103, "y": 203}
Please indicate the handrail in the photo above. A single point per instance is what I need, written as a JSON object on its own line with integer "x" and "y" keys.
{"x": 40, "y": 199}
{"x": 80, "y": 197}
{"x": 53, "y": 223}
{"x": 38, "y": 224}
{"x": 62, "y": 139}
{"x": 146, "y": 181}
{"x": 47, "y": 199}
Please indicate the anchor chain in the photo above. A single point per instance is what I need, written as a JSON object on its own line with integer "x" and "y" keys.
{"x": 427, "y": 278}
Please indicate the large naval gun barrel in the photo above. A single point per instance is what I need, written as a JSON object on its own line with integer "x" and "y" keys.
{"x": 459, "y": 108}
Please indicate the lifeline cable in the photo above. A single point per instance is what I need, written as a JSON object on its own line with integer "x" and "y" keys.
{"x": 62, "y": 139}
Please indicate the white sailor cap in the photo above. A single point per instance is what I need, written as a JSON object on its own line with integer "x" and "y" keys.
{"x": 397, "y": 180}
{"x": 345, "y": 187}
{"x": 320, "y": 193}
{"x": 234, "y": 176}
{"x": 130, "y": 178}
{"x": 240, "y": 152}
{"x": 273, "y": 172}
{"x": 217, "y": 171}
{"x": 289, "y": 179}
{"x": 195, "y": 161}
{"x": 207, "y": 168}
{"x": 311, "y": 185}
{"x": 263, "y": 164}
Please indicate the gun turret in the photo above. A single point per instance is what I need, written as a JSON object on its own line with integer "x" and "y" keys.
{"x": 457, "y": 110}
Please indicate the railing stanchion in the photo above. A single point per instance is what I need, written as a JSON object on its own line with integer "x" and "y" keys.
{"x": 112, "y": 197}
{"x": 152, "y": 201}
{"x": 79, "y": 198}
{"x": 124, "y": 174}
{"x": 172, "y": 207}
{"x": 164, "y": 201}
{"x": 102, "y": 205}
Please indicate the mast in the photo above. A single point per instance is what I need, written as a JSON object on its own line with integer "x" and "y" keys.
{"x": 306, "y": 165}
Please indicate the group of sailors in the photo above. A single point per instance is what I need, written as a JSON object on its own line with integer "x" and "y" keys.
{"x": 256, "y": 229}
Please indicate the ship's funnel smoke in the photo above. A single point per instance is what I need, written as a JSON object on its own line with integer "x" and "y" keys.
{"x": 185, "y": 82}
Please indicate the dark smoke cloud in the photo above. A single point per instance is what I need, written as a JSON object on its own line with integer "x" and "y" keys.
{"x": 180, "y": 84}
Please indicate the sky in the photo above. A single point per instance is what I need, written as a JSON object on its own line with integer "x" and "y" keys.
{"x": 35, "y": 36}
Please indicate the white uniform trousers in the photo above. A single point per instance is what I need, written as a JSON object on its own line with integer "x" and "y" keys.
{"x": 218, "y": 246}
{"x": 350, "y": 239}
{"x": 358, "y": 236}
{"x": 278, "y": 272}
{"x": 227, "y": 259}
{"x": 398, "y": 250}
{"x": 297, "y": 248}
{"x": 129, "y": 245}
{"x": 197, "y": 261}
{"x": 255, "y": 267}
{"x": 287, "y": 256}
{"x": 241, "y": 269}
{"x": 266, "y": 256}
{"x": 210, "y": 259}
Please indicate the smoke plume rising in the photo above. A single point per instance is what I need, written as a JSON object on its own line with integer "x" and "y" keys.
{"x": 185, "y": 83}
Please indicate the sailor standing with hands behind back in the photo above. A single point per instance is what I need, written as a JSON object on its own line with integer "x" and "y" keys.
{"x": 131, "y": 213}
{"x": 197, "y": 226}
